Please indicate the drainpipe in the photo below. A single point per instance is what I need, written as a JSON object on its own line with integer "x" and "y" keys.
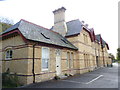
{"x": 99, "y": 57}
{"x": 33, "y": 69}
{"x": 103, "y": 57}
{"x": 95, "y": 56}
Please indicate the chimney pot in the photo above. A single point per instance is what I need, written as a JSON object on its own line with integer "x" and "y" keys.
{"x": 59, "y": 9}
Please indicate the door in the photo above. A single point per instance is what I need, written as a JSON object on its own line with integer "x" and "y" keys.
{"x": 97, "y": 61}
{"x": 58, "y": 62}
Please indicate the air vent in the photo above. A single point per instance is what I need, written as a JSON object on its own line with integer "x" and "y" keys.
{"x": 45, "y": 36}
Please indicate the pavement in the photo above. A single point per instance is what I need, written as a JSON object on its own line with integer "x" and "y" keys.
{"x": 105, "y": 77}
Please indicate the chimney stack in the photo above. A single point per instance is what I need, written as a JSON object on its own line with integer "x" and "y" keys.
{"x": 59, "y": 21}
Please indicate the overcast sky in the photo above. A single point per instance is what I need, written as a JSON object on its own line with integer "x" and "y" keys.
{"x": 102, "y": 15}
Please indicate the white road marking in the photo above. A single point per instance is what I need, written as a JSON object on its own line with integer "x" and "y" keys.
{"x": 82, "y": 82}
{"x": 94, "y": 79}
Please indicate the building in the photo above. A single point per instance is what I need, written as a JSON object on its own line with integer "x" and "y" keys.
{"x": 38, "y": 54}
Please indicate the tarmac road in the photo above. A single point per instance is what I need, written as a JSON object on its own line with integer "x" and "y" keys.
{"x": 105, "y": 77}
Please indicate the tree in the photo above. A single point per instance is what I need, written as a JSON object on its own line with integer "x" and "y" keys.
{"x": 6, "y": 20}
{"x": 112, "y": 56}
{"x": 5, "y": 23}
{"x": 118, "y": 54}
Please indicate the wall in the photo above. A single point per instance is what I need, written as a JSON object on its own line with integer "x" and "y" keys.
{"x": 51, "y": 72}
{"x": 88, "y": 52}
{"x": 19, "y": 62}
{"x": 84, "y": 59}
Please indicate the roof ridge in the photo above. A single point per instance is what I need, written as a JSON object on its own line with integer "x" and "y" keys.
{"x": 38, "y": 25}
{"x": 72, "y": 20}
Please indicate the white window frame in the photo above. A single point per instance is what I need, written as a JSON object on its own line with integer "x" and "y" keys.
{"x": 8, "y": 55}
{"x": 45, "y": 69}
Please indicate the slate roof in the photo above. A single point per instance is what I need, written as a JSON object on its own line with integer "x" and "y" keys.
{"x": 37, "y": 33}
{"x": 74, "y": 27}
{"x": 98, "y": 36}
{"x": 92, "y": 34}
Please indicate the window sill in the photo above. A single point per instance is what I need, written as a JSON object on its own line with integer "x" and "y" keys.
{"x": 44, "y": 70}
{"x": 8, "y": 59}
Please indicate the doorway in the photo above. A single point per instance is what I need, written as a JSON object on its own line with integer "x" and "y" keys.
{"x": 58, "y": 62}
{"x": 97, "y": 63}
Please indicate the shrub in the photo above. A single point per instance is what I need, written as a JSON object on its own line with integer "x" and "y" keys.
{"x": 9, "y": 80}
{"x": 66, "y": 74}
{"x": 89, "y": 70}
{"x": 111, "y": 65}
{"x": 56, "y": 77}
{"x": 70, "y": 75}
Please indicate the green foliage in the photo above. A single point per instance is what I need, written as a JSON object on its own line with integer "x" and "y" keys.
{"x": 9, "y": 80}
{"x": 5, "y": 26}
{"x": 66, "y": 74}
{"x": 56, "y": 77}
{"x": 118, "y": 54}
{"x": 118, "y": 61}
{"x": 89, "y": 71}
{"x": 112, "y": 56}
{"x": 5, "y": 23}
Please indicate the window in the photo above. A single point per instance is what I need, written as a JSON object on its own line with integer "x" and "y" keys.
{"x": 68, "y": 57}
{"x": 71, "y": 59}
{"x": 88, "y": 58}
{"x": 8, "y": 54}
{"x": 85, "y": 60}
{"x": 85, "y": 38}
{"x": 45, "y": 58}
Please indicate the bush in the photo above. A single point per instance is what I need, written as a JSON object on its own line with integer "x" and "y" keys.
{"x": 89, "y": 71}
{"x": 66, "y": 74}
{"x": 56, "y": 77}
{"x": 111, "y": 65}
{"x": 9, "y": 80}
